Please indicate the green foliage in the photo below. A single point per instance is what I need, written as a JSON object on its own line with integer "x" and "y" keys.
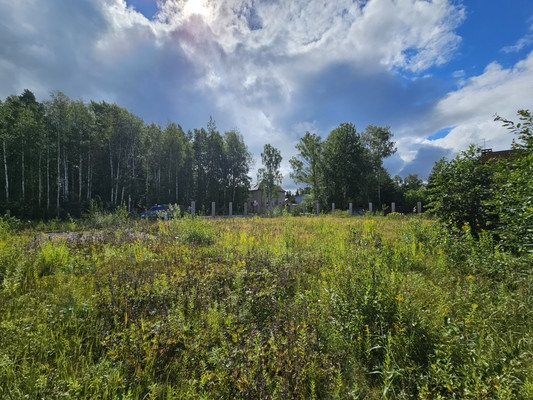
{"x": 410, "y": 191}
{"x": 308, "y": 167}
{"x": 414, "y": 196}
{"x": 513, "y": 188}
{"x": 61, "y": 154}
{"x": 53, "y": 256}
{"x": 475, "y": 191}
{"x": 11, "y": 258}
{"x": 379, "y": 145}
{"x": 320, "y": 307}
{"x": 458, "y": 191}
{"x": 345, "y": 165}
{"x": 239, "y": 160}
{"x": 513, "y": 203}
{"x": 196, "y": 231}
{"x": 5, "y": 228}
{"x": 270, "y": 176}
{"x": 98, "y": 217}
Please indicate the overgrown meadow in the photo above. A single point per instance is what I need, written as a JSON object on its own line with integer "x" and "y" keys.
{"x": 325, "y": 307}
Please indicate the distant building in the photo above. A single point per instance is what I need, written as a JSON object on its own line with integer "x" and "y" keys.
{"x": 257, "y": 202}
{"x": 488, "y": 154}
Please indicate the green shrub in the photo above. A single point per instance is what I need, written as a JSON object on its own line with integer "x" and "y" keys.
{"x": 197, "y": 231}
{"x": 52, "y": 256}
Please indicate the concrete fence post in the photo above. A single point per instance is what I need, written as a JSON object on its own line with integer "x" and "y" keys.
{"x": 332, "y": 208}
{"x": 230, "y": 209}
{"x": 317, "y": 208}
{"x": 370, "y": 208}
{"x": 393, "y": 206}
{"x": 193, "y": 208}
{"x": 213, "y": 209}
{"x": 245, "y": 209}
{"x": 350, "y": 209}
{"x": 419, "y": 207}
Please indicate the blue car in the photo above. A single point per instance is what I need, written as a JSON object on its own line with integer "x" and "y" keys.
{"x": 158, "y": 211}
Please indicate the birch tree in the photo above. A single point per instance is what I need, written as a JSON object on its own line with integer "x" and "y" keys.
{"x": 270, "y": 176}
{"x": 307, "y": 166}
{"x": 5, "y": 137}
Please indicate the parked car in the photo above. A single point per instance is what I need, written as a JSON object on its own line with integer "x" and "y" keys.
{"x": 358, "y": 211}
{"x": 157, "y": 211}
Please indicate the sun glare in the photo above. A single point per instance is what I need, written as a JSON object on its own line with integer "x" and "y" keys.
{"x": 195, "y": 7}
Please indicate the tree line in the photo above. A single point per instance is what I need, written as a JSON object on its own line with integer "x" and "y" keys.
{"x": 60, "y": 155}
{"x": 347, "y": 167}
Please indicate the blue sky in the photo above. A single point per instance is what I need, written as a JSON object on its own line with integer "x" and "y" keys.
{"x": 435, "y": 71}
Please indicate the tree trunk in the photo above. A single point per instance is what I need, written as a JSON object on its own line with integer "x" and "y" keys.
{"x": 177, "y": 184}
{"x": 344, "y": 190}
{"x": 89, "y": 176}
{"x": 117, "y": 183}
{"x": 233, "y": 191}
{"x": 111, "y": 170}
{"x": 23, "y": 178}
{"x": 5, "y": 173}
{"x": 48, "y": 178}
{"x": 80, "y": 164}
{"x": 58, "y": 174}
{"x": 65, "y": 172}
{"x": 158, "y": 180}
{"x": 132, "y": 180}
{"x": 40, "y": 182}
{"x": 379, "y": 188}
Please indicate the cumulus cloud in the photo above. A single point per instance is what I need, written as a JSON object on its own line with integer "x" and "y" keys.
{"x": 249, "y": 42}
{"x": 261, "y": 50}
{"x": 473, "y": 106}
{"x": 261, "y": 60}
{"x": 470, "y": 111}
{"x": 271, "y": 69}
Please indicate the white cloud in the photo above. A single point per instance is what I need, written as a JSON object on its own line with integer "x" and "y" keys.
{"x": 523, "y": 42}
{"x": 414, "y": 35}
{"x": 252, "y": 65}
{"x": 279, "y": 44}
{"x": 519, "y": 45}
{"x": 295, "y": 38}
{"x": 253, "y": 57}
{"x": 496, "y": 90}
{"x": 470, "y": 110}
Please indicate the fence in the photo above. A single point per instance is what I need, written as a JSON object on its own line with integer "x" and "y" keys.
{"x": 297, "y": 209}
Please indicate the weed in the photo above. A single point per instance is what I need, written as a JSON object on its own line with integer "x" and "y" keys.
{"x": 304, "y": 308}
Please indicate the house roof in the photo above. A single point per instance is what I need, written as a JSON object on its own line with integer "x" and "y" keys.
{"x": 488, "y": 154}
{"x": 255, "y": 186}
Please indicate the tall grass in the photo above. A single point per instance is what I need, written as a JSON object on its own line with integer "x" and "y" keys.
{"x": 289, "y": 307}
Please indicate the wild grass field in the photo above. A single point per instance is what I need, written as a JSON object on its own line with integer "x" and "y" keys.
{"x": 262, "y": 308}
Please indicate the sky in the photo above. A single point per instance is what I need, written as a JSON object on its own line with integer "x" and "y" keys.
{"x": 435, "y": 71}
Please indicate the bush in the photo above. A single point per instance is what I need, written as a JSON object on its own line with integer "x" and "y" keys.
{"x": 197, "y": 231}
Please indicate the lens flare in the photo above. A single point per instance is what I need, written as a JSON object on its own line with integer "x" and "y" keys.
{"x": 197, "y": 7}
